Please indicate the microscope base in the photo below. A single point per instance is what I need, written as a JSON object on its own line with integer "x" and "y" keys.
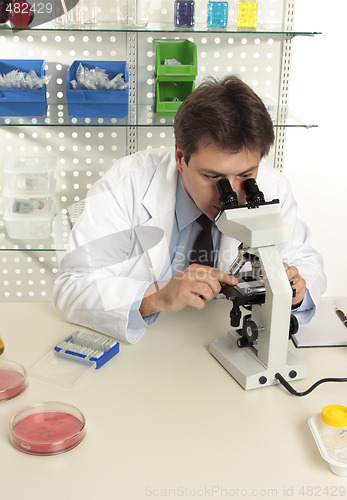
{"x": 245, "y": 367}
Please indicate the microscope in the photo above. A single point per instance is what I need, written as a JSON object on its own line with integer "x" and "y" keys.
{"x": 255, "y": 353}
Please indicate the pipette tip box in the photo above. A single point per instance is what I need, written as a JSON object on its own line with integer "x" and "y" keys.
{"x": 89, "y": 346}
{"x": 74, "y": 357}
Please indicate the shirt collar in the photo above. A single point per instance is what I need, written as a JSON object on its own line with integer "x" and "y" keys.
{"x": 186, "y": 210}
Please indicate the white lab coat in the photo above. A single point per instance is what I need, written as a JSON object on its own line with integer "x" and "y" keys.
{"x": 120, "y": 244}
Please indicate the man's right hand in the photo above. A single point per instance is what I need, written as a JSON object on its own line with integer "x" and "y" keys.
{"x": 194, "y": 286}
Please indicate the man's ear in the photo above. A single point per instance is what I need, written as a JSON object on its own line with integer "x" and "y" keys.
{"x": 179, "y": 158}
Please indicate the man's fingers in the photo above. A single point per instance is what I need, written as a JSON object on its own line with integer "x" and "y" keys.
{"x": 206, "y": 273}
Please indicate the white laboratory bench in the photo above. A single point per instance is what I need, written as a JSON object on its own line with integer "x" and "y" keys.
{"x": 165, "y": 420}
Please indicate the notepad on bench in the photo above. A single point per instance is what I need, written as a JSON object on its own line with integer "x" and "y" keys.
{"x": 325, "y": 329}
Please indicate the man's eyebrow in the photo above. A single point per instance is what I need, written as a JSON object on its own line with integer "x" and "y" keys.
{"x": 219, "y": 174}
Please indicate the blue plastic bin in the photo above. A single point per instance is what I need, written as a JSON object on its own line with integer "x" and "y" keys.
{"x": 23, "y": 102}
{"x": 98, "y": 103}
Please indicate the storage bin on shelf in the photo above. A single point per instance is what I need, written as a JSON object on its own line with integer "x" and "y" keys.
{"x": 175, "y": 71}
{"x": 23, "y": 102}
{"x": 166, "y": 94}
{"x": 29, "y": 192}
{"x": 184, "y": 52}
{"x": 28, "y": 227}
{"x": 28, "y": 203}
{"x": 98, "y": 103}
{"x": 30, "y": 174}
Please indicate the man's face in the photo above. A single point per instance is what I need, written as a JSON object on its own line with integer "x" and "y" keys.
{"x": 211, "y": 163}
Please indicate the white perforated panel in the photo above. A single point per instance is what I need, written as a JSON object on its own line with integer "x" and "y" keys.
{"x": 85, "y": 148}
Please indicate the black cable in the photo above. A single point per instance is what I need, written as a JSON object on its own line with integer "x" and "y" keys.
{"x": 290, "y": 389}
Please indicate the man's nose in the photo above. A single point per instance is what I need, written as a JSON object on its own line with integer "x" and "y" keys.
{"x": 235, "y": 184}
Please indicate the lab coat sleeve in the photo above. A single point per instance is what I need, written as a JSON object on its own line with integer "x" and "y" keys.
{"x": 298, "y": 251}
{"x": 105, "y": 269}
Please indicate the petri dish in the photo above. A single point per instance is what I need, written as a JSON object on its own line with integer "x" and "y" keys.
{"x": 13, "y": 379}
{"x": 47, "y": 428}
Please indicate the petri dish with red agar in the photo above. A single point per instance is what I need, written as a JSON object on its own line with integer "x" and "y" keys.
{"x": 47, "y": 428}
{"x": 13, "y": 379}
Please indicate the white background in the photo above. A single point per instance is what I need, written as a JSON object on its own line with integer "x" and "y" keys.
{"x": 315, "y": 159}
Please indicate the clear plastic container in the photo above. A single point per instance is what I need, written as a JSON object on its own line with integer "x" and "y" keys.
{"x": 28, "y": 227}
{"x": 30, "y": 174}
{"x": 84, "y": 13}
{"x": 88, "y": 12}
{"x": 28, "y": 203}
{"x": 13, "y": 379}
{"x": 333, "y": 430}
{"x": 133, "y": 13}
{"x": 47, "y": 428}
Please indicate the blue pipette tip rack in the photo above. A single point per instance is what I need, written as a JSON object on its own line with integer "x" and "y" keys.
{"x": 87, "y": 346}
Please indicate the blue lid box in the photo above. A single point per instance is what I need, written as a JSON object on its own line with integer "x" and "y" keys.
{"x": 98, "y": 103}
{"x": 23, "y": 102}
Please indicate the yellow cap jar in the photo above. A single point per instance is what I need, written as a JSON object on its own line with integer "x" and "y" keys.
{"x": 334, "y": 415}
{"x": 334, "y": 423}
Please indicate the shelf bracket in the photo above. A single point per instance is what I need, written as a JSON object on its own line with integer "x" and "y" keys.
{"x": 282, "y": 113}
{"x": 131, "y": 44}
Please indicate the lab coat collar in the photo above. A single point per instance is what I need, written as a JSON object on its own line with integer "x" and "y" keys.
{"x": 161, "y": 193}
{"x": 159, "y": 201}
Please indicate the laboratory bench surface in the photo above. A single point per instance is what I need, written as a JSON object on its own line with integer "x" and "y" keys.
{"x": 165, "y": 420}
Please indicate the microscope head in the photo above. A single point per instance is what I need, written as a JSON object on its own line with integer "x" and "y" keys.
{"x": 257, "y": 223}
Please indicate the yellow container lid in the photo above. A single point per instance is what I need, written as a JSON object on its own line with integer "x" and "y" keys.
{"x": 334, "y": 415}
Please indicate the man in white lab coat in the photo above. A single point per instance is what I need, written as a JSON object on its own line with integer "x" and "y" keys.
{"x": 129, "y": 253}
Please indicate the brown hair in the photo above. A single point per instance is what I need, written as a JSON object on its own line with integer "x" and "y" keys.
{"x": 226, "y": 112}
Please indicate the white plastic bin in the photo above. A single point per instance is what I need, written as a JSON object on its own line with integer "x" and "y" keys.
{"x": 30, "y": 174}
{"x": 28, "y": 227}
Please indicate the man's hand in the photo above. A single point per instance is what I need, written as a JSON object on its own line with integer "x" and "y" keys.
{"x": 194, "y": 286}
{"x": 299, "y": 285}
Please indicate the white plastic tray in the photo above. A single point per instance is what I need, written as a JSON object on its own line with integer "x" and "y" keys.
{"x": 338, "y": 468}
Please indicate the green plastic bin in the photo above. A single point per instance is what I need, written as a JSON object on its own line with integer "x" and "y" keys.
{"x": 183, "y": 51}
{"x": 167, "y": 91}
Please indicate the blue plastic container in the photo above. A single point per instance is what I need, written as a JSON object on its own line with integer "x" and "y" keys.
{"x": 98, "y": 103}
{"x": 23, "y": 102}
{"x": 217, "y": 14}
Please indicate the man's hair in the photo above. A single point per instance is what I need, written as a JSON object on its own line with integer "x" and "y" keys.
{"x": 226, "y": 112}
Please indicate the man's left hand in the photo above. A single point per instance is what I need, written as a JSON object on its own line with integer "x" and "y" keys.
{"x": 299, "y": 283}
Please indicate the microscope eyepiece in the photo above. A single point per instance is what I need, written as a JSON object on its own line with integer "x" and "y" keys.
{"x": 253, "y": 193}
{"x": 227, "y": 196}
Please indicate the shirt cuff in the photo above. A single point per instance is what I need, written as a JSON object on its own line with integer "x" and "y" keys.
{"x": 135, "y": 320}
{"x": 306, "y": 310}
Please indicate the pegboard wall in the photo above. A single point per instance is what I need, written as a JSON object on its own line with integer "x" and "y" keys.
{"x": 85, "y": 148}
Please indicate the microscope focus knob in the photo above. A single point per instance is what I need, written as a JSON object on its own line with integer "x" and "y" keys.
{"x": 293, "y": 325}
{"x": 250, "y": 330}
{"x": 249, "y": 333}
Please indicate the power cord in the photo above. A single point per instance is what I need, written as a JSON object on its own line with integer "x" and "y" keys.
{"x": 290, "y": 389}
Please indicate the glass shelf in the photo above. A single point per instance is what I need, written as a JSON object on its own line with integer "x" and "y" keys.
{"x": 10, "y": 245}
{"x": 57, "y": 115}
{"x": 265, "y": 29}
{"x": 56, "y": 242}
